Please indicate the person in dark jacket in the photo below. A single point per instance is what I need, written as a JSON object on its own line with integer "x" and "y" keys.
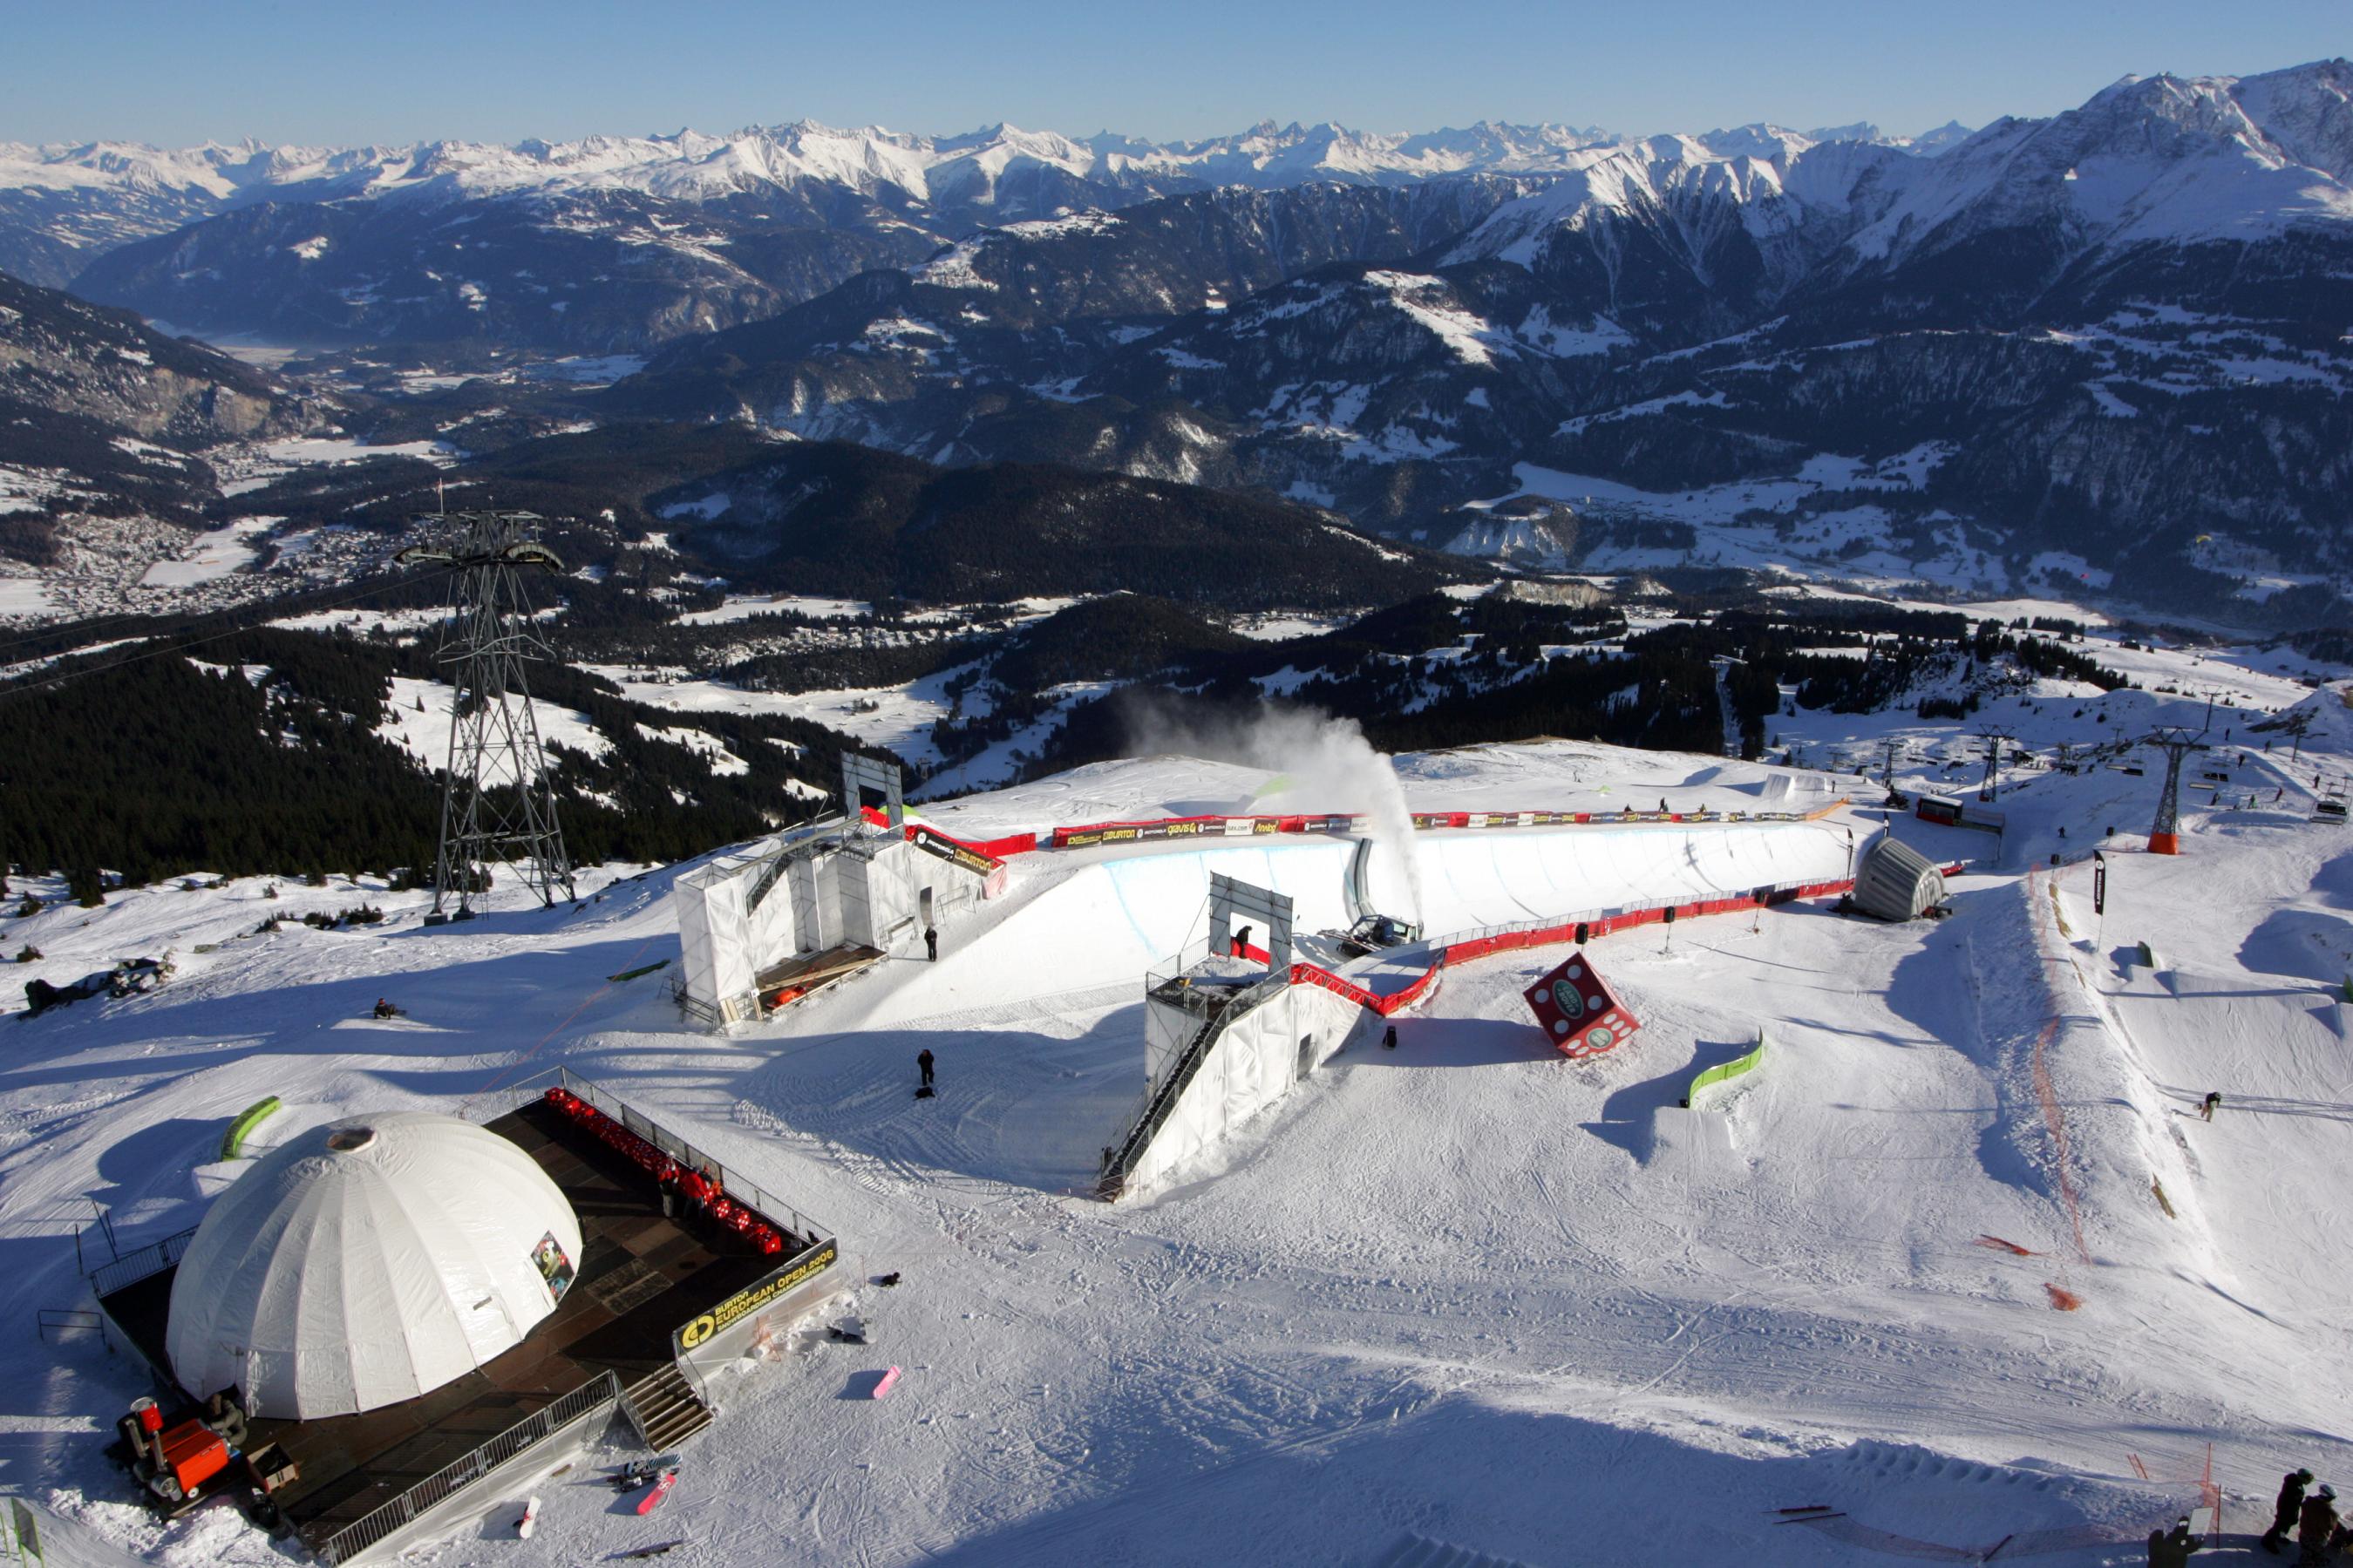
{"x": 924, "y": 1062}
{"x": 2285, "y": 1512}
{"x": 2171, "y": 1548}
{"x": 932, "y": 944}
{"x": 1389, "y": 1038}
{"x": 2315, "y": 1527}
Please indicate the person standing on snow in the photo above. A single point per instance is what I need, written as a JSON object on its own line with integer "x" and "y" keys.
{"x": 2171, "y": 1548}
{"x": 923, "y": 1064}
{"x": 932, "y": 945}
{"x": 1389, "y": 1038}
{"x": 2315, "y": 1526}
{"x": 2210, "y": 1105}
{"x": 2285, "y": 1512}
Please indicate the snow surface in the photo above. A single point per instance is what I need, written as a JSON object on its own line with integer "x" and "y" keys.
{"x": 424, "y": 735}
{"x": 209, "y": 556}
{"x": 1466, "y": 1290}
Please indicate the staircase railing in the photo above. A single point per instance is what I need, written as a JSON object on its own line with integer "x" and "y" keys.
{"x": 1122, "y": 1161}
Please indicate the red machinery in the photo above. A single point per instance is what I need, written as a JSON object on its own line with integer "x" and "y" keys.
{"x": 180, "y": 1464}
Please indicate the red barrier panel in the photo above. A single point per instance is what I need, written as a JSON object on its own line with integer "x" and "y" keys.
{"x": 1007, "y": 847}
{"x": 1547, "y": 936}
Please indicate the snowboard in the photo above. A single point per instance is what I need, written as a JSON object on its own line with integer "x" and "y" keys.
{"x": 640, "y": 1472}
{"x": 654, "y": 1551}
{"x": 653, "y": 1500}
{"x": 530, "y": 1520}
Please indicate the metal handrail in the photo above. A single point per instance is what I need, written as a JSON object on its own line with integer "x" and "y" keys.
{"x": 454, "y": 1477}
{"x": 129, "y": 1269}
{"x": 67, "y": 1320}
{"x": 1161, "y": 1099}
{"x": 741, "y": 1188}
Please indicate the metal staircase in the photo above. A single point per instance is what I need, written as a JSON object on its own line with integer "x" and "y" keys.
{"x": 665, "y": 1409}
{"x": 1119, "y": 1163}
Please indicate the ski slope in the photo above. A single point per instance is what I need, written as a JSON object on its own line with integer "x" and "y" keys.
{"x": 1466, "y": 1290}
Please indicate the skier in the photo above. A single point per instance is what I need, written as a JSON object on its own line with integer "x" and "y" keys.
{"x": 923, "y": 1062}
{"x": 2314, "y": 1526}
{"x": 2171, "y": 1549}
{"x": 1389, "y": 1038}
{"x": 2210, "y": 1104}
{"x": 2285, "y": 1512}
{"x": 932, "y": 944}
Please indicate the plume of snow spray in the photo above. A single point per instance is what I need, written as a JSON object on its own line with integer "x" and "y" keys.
{"x": 1326, "y": 765}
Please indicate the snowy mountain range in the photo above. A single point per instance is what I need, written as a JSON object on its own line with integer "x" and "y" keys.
{"x": 2115, "y": 340}
{"x": 61, "y": 205}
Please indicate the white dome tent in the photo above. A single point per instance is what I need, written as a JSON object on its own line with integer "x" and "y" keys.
{"x": 369, "y": 1261}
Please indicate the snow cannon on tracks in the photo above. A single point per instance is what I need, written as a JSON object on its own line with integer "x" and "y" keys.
{"x": 1376, "y": 933}
{"x": 1580, "y": 1014}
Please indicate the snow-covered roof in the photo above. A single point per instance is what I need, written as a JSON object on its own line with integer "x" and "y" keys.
{"x": 368, "y": 1261}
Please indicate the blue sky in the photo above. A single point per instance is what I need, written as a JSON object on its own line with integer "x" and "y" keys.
{"x": 338, "y": 71}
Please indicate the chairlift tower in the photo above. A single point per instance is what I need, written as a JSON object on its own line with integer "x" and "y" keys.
{"x": 497, "y": 800}
{"x": 1894, "y": 750}
{"x": 2176, "y": 741}
{"x": 2296, "y": 726}
{"x": 1993, "y": 736}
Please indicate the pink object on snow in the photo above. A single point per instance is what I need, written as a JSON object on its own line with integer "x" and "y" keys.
{"x": 888, "y": 1381}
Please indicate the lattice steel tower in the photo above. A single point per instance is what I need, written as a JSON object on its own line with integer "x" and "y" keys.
{"x": 1993, "y": 737}
{"x": 2176, "y": 741}
{"x": 496, "y": 803}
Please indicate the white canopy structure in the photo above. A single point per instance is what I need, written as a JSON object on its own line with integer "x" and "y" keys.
{"x": 369, "y": 1261}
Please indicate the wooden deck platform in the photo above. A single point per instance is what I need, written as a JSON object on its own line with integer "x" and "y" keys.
{"x": 640, "y": 1277}
{"x": 804, "y": 972}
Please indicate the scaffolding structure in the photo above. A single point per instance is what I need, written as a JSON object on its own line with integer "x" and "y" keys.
{"x": 498, "y": 802}
{"x": 2176, "y": 741}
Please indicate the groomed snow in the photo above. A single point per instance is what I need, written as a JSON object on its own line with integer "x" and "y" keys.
{"x": 1465, "y": 1290}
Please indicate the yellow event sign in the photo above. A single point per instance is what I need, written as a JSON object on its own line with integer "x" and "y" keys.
{"x": 753, "y": 1297}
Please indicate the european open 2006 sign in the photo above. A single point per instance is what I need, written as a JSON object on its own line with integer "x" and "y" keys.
{"x": 750, "y": 1298}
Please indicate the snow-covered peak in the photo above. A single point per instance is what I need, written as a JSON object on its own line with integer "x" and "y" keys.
{"x": 1772, "y": 143}
{"x": 2159, "y": 158}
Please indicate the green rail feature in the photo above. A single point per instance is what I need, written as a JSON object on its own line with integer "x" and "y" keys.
{"x": 1724, "y": 1072}
{"x": 252, "y": 1117}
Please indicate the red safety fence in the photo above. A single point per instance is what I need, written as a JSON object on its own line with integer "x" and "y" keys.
{"x": 1089, "y": 835}
{"x": 993, "y": 850}
{"x": 1566, "y": 931}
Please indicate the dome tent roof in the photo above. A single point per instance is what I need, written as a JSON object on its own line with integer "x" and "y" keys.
{"x": 367, "y": 1262}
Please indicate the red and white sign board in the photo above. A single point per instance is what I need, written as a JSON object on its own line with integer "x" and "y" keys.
{"x": 1580, "y": 1014}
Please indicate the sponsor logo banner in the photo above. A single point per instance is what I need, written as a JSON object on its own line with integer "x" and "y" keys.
{"x": 752, "y": 1298}
{"x": 956, "y": 854}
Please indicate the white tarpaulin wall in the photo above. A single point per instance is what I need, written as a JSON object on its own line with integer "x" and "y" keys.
{"x": 367, "y": 1262}
{"x": 1110, "y": 921}
{"x": 1474, "y": 880}
{"x": 1254, "y": 1061}
{"x": 714, "y": 940}
{"x": 813, "y": 894}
